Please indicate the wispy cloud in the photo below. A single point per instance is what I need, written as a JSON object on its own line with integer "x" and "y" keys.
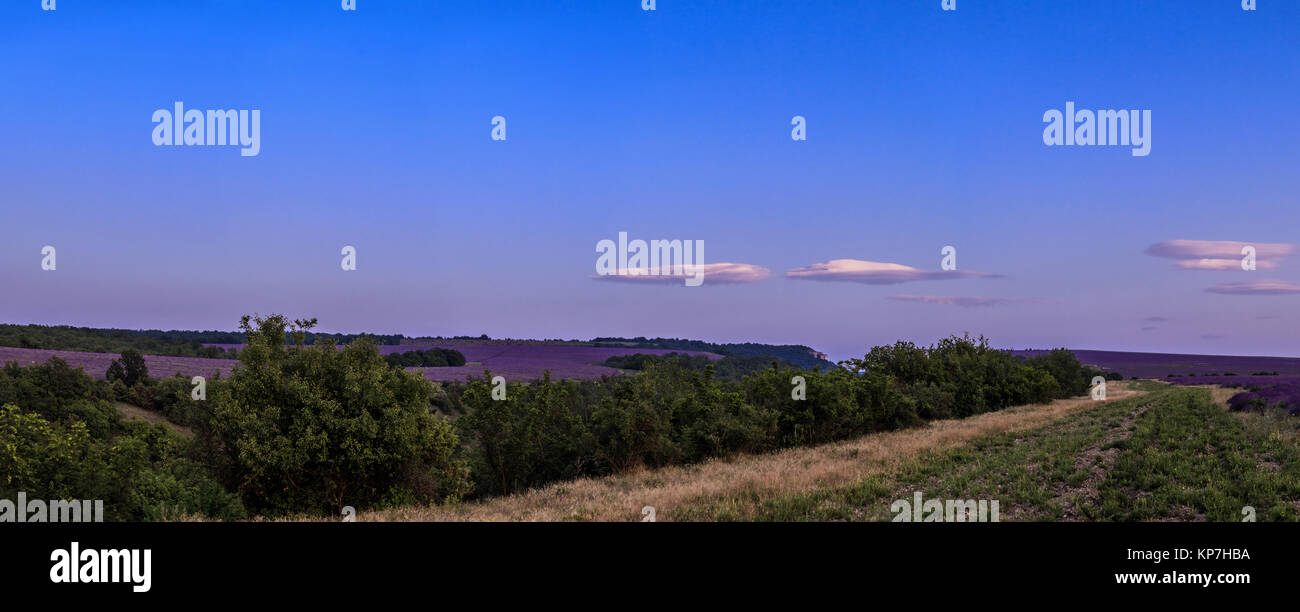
{"x": 722, "y": 273}
{"x": 1148, "y": 328}
{"x": 1260, "y": 287}
{"x": 1219, "y": 254}
{"x": 875, "y": 272}
{"x": 1211, "y": 337}
{"x": 1158, "y": 319}
{"x": 963, "y": 301}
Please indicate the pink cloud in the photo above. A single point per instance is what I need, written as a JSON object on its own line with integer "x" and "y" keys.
{"x": 875, "y": 273}
{"x": 1219, "y": 254}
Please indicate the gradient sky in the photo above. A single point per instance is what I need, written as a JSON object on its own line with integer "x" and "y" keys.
{"x": 924, "y": 130}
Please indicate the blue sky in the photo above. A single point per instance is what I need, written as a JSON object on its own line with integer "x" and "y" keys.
{"x": 924, "y": 130}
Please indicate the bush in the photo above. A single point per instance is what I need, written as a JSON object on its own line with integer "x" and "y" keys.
{"x": 312, "y": 429}
{"x": 1071, "y": 377}
{"x": 140, "y": 473}
{"x": 527, "y": 439}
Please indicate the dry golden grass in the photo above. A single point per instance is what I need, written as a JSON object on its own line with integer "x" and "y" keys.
{"x": 793, "y": 471}
{"x": 1220, "y": 395}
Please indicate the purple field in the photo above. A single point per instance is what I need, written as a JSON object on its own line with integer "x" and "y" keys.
{"x": 95, "y": 364}
{"x": 528, "y": 362}
{"x": 1161, "y": 365}
{"x": 522, "y": 362}
{"x": 1258, "y": 391}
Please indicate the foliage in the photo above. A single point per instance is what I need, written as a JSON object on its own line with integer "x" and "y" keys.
{"x": 60, "y": 438}
{"x": 149, "y": 342}
{"x": 130, "y": 368}
{"x": 312, "y": 429}
{"x": 677, "y": 410}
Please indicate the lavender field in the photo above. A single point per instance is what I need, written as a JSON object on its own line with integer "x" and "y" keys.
{"x": 530, "y": 362}
{"x": 95, "y": 364}
{"x": 1162, "y": 365}
{"x": 1258, "y": 392}
{"x": 522, "y": 362}
{"x": 1279, "y": 388}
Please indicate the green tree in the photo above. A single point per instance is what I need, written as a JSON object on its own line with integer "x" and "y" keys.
{"x": 115, "y": 372}
{"x": 134, "y": 368}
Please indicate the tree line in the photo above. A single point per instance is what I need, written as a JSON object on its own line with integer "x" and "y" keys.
{"x": 173, "y": 343}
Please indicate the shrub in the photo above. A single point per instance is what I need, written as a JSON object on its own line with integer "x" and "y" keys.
{"x": 529, "y": 438}
{"x": 1071, "y": 377}
{"x": 140, "y": 473}
{"x": 312, "y": 429}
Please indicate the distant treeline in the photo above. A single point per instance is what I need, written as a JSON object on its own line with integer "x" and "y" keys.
{"x": 729, "y": 368}
{"x": 96, "y": 340}
{"x": 311, "y": 429}
{"x": 796, "y": 354}
{"x": 186, "y": 343}
{"x": 434, "y": 357}
{"x": 176, "y": 343}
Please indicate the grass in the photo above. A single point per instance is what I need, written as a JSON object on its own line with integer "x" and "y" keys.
{"x": 1188, "y": 459}
{"x": 1032, "y": 474}
{"x": 1172, "y": 454}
